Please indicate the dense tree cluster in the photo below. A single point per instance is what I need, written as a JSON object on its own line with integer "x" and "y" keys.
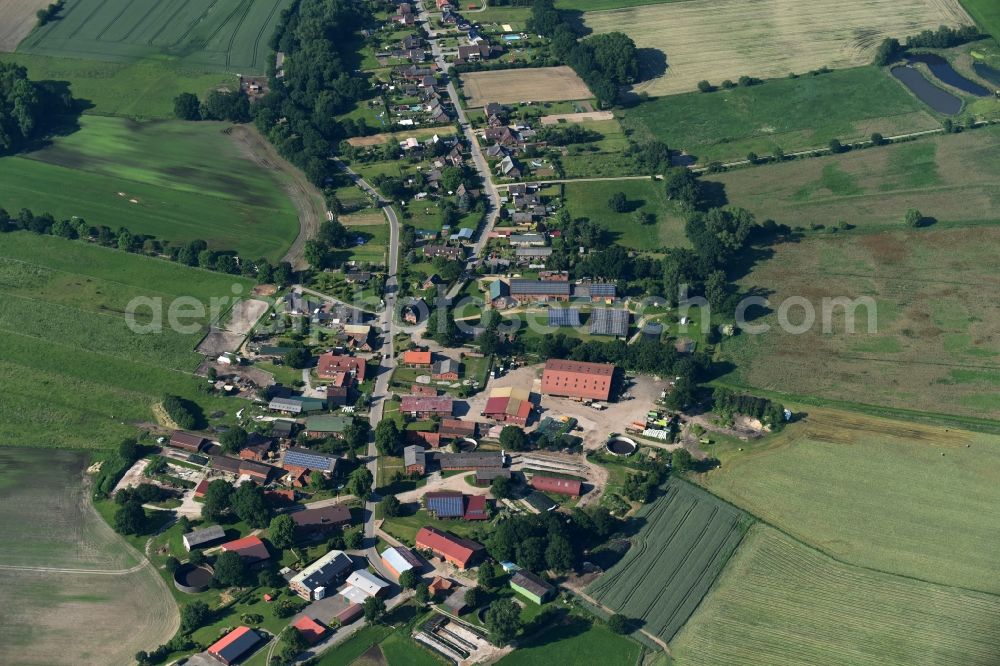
{"x": 319, "y": 41}
{"x": 321, "y": 251}
{"x": 182, "y": 412}
{"x": 114, "y": 467}
{"x": 27, "y": 108}
{"x": 728, "y": 404}
{"x": 233, "y": 106}
{"x": 548, "y": 541}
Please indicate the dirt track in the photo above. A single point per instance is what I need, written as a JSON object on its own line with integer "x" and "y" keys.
{"x": 308, "y": 200}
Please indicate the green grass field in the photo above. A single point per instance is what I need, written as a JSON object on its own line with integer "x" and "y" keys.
{"x": 75, "y": 375}
{"x": 141, "y": 89}
{"x": 685, "y": 542}
{"x": 226, "y": 35}
{"x": 179, "y": 195}
{"x": 66, "y": 616}
{"x": 893, "y": 496}
{"x": 590, "y": 200}
{"x": 949, "y": 177}
{"x": 793, "y": 114}
{"x": 779, "y": 603}
{"x": 575, "y": 641}
{"x": 986, "y": 13}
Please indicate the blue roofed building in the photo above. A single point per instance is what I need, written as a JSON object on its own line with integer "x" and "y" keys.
{"x": 306, "y": 459}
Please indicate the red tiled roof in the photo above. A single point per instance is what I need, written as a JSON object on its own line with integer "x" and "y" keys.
{"x": 250, "y": 548}
{"x": 419, "y": 403}
{"x": 446, "y": 545}
{"x": 550, "y": 484}
{"x": 457, "y": 427}
{"x": 349, "y": 614}
{"x": 423, "y": 437}
{"x": 310, "y": 629}
{"x": 330, "y": 364}
{"x": 201, "y": 488}
{"x": 417, "y": 357}
{"x": 578, "y": 379}
{"x": 475, "y": 507}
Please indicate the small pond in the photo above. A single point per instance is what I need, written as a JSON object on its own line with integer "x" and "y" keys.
{"x": 988, "y": 73}
{"x": 940, "y": 100}
{"x": 943, "y": 70}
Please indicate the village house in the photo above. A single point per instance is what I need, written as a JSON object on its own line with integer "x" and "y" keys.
{"x": 297, "y": 459}
{"x": 415, "y": 459}
{"x": 328, "y": 425}
{"x": 311, "y": 630}
{"x": 310, "y": 523}
{"x": 423, "y": 438}
{"x": 446, "y": 369}
{"x": 424, "y": 407}
{"x": 456, "y": 429}
{"x": 415, "y": 358}
{"x": 446, "y": 251}
{"x": 508, "y": 168}
{"x": 333, "y": 366}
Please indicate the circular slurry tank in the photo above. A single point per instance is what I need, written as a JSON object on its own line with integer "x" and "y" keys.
{"x": 191, "y": 579}
{"x": 621, "y": 446}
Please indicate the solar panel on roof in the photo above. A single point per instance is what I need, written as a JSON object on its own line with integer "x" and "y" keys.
{"x": 564, "y": 317}
{"x": 449, "y": 506}
{"x": 308, "y": 460}
{"x": 538, "y": 287}
{"x": 609, "y": 322}
{"x": 602, "y": 290}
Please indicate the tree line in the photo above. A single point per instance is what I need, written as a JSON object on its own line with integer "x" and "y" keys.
{"x": 195, "y": 253}
{"x": 891, "y": 50}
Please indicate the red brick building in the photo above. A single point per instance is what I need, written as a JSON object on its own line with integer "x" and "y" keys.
{"x": 450, "y": 548}
{"x": 578, "y": 379}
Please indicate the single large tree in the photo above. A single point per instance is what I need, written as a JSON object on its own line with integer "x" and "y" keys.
{"x": 282, "y": 531}
{"x": 217, "y": 499}
{"x": 388, "y": 438}
{"x": 187, "y": 106}
{"x": 359, "y": 483}
{"x": 513, "y": 438}
{"x": 503, "y": 619}
{"x": 230, "y": 569}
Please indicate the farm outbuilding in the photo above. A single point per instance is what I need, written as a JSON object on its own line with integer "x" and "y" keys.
{"x": 531, "y": 587}
{"x": 203, "y": 537}
{"x": 235, "y": 645}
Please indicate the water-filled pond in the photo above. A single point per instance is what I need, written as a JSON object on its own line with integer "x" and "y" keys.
{"x": 943, "y": 70}
{"x": 988, "y": 73}
{"x": 940, "y": 100}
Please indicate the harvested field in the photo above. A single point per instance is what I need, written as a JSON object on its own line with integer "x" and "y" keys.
{"x": 577, "y": 117}
{"x": 509, "y": 86}
{"x": 685, "y": 542}
{"x": 17, "y": 18}
{"x": 239, "y": 321}
{"x": 725, "y": 39}
{"x": 779, "y": 603}
{"x": 368, "y": 219}
{"x": 86, "y": 583}
{"x": 225, "y": 35}
{"x": 875, "y": 492}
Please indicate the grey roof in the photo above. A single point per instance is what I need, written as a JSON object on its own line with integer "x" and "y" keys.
{"x": 605, "y": 321}
{"x": 196, "y": 538}
{"x": 527, "y": 239}
{"x": 476, "y": 459}
{"x": 530, "y": 582}
{"x": 281, "y": 426}
{"x": 564, "y": 317}
{"x": 540, "y": 501}
{"x": 332, "y": 567}
{"x": 414, "y": 455}
{"x": 492, "y": 473}
{"x": 285, "y": 405}
{"x": 533, "y": 251}
{"x": 445, "y": 365}
{"x": 521, "y": 286}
